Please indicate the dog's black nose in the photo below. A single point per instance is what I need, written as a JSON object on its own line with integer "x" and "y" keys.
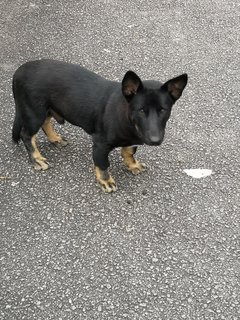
{"x": 155, "y": 140}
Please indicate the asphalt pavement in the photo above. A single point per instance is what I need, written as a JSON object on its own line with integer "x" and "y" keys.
{"x": 166, "y": 245}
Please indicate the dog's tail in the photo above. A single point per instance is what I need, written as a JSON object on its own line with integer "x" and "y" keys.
{"x": 17, "y": 127}
{"x": 17, "y": 124}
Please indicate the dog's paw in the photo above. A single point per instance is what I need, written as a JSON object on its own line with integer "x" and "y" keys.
{"x": 105, "y": 180}
{"x": 107, "y": 186}
{"x": 40, "y": 164}
{"x": 62, "y": 142}
{"x": 136, "y": 168}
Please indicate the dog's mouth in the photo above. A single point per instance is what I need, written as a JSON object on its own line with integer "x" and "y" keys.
{"x": 150, "y": 143}
{"x": 153, "y": 143}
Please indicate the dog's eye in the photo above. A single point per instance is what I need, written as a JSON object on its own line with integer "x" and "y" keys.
{"x": 141, "y": 111}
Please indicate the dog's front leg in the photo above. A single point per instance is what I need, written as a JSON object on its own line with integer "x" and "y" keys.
{"x": 101, "y": 163}
{"x": 131, "y": 163}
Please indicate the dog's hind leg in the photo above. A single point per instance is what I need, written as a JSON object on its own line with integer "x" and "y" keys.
{"x": 128, "y": 158}
{"x": 52, "y": 136}
{"x": 38, "y": 161}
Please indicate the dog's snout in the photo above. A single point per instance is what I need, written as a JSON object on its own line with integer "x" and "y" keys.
{"x": 155, "y": 139}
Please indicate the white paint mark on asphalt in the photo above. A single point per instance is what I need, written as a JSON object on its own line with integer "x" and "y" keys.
{"x": 198, "y": 173}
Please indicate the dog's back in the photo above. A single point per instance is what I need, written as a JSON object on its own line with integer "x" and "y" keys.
{"x": 68, "y": 90}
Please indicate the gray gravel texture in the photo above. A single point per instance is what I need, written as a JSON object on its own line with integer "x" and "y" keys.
{"x": 165, "y": 245}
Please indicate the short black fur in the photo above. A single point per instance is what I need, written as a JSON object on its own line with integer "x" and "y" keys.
{"x": 133, "y": 112}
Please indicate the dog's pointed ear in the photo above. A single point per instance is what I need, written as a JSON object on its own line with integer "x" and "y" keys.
{"x": 131, "y": 84}
{"x": 176, "y": 86}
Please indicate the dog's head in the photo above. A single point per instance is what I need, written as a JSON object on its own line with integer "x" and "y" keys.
{"x": 150, "y": 107}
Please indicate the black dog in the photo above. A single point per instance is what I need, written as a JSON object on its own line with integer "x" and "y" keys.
{"x": 116, "y": 114}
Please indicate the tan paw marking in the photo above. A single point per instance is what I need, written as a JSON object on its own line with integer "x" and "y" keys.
{"x": 40, "y": 163}
{"x": 105, "y": 181}
{"x": 61, "y": 142}
{"x": 107, "y": 186}
{"x": 132, "y": 164}
{"x": 52, "y": 136}
{"x": 136, "y": 168}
